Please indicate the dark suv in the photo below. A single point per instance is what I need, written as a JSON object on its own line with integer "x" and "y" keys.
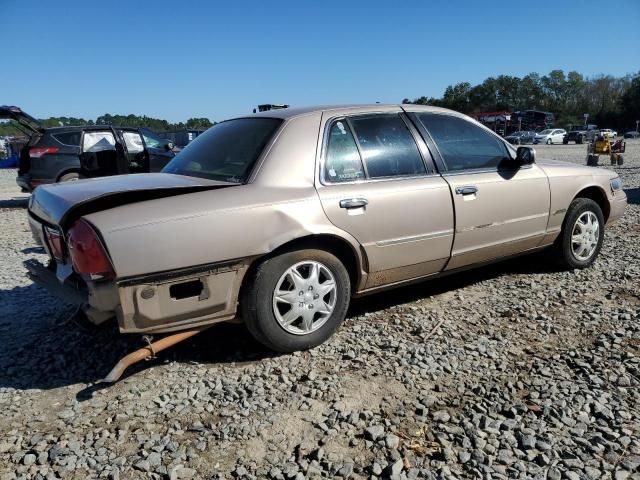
{"x": 580, "y": 134}
{"x": 68, "y": 153}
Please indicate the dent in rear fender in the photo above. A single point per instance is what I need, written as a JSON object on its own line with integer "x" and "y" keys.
{"x": 209, "y": 227}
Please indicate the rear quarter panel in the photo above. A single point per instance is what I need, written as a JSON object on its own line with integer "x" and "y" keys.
{"x": 208, "y": 227}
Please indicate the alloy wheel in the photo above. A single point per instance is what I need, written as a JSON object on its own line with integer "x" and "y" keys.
{"x": 585, "y": 236}
{"x": 304, "y": 297}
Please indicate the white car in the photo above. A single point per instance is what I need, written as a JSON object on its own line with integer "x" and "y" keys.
{"x": 607, "y": 132}
{"x": 550, "y": 136}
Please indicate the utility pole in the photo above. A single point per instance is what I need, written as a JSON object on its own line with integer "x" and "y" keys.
{"x": 637, "y": 123}
{"x": 586, "y": 118}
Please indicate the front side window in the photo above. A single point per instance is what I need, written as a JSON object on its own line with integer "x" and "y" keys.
{"x": 133, "y": 142}
{"x": 388, "y": 147}
{"x": 342, "y": 161}
{"x": 462, "y": 144}
{"x": 227, "y": 151}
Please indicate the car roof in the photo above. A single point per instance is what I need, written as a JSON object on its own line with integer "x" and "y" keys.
{"x": 287, "y": 113}
{"x": 72, "y": 128}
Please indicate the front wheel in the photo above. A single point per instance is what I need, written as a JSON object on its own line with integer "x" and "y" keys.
{"x": 548, "y": 141}
{"x": 582, "y": 233}
{"x": 296, "y": 300}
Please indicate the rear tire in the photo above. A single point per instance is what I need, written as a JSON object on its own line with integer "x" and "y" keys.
{"x": 69, "y": 177}
{"x": 286, "y": 310}
{"x": 579, "y": 140}
{"x": 582, "y": 233}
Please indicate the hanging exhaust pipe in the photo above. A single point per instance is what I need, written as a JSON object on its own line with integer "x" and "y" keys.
{"x": 149, "y": 351}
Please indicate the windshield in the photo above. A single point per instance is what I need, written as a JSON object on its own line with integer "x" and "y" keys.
{"x": 226, "y": 151}
{"x": 545, "y": 132}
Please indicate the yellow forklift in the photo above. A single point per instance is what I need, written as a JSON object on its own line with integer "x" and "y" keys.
{"x": 602, "y": 145}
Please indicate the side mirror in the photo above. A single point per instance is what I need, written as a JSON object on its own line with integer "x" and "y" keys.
{"x": 169, "y": 146}
{"x": 526, "y": 155}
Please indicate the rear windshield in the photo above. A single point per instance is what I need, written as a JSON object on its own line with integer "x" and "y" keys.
{"x": 226, "y": 151}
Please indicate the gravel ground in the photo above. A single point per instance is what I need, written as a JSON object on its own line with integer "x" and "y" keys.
{"x": 534, "y": 373}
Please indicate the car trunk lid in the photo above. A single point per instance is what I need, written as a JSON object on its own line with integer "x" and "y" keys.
{"x": 27, "y": 121}
{"x": 59, "y": 204}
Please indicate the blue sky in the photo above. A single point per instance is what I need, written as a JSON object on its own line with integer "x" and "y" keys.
{"x": 177, "y": 60}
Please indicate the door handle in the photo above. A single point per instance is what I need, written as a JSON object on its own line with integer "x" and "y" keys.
{"x": 353, "y": 202}
{"x": 466, "y": 190}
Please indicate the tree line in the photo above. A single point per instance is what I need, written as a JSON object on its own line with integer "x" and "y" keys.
{"x": 156, "y": 124}
{"x": 611, "y": 102}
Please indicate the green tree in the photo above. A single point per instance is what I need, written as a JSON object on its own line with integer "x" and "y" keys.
{"x": 629, "y": 104}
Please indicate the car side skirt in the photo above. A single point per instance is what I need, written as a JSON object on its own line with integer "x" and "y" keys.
{"x": 548, "y": 241}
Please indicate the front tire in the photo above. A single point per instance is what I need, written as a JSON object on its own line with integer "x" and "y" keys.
{"x": 549, "y": 141}
{"x": 296, "y": 300}
{"x": 582, "y": 233}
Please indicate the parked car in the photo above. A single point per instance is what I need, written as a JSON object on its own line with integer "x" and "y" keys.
{"x": 607, "y": 132}
{"x": 262, "y": 219}
{"x": 632, "y": 134}
{"x": 550, "y": 136}
{"x": 580, "y": 134}
{"x": 62, "y": 154}
{"x": 523, "y": 137}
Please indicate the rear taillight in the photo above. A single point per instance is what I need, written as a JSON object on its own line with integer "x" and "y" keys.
{"x": 41, "y": 151}
{"x": 87, "y": 253}
{"x": 55, "y": 243}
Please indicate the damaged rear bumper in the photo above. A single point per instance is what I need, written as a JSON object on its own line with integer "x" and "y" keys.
{"x": 179, "y": 300}
{"x": 156, "y": 303}
{"x": 47, "y": 278}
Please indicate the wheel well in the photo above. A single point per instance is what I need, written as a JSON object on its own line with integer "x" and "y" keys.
{"x": 597, "y": 195}
{"x": 330, "y": 243}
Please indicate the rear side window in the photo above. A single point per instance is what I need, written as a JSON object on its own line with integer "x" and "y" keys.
{"x": 98, "y": 142}
{"x": 342, "y": 163}
{"x": 388, "y": 148}
{"x": 463, "y": 145}
{"x": 72, "y": 139}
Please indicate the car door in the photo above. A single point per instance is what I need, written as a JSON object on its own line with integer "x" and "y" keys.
{"x": 501, "y": 209}
{"x": 374, "y": 184}
{"x": 135, "y": 151}
{"x": 158, "y": 149}
{"x": 101, "y": 153}
{"x": 557, "y": 136}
